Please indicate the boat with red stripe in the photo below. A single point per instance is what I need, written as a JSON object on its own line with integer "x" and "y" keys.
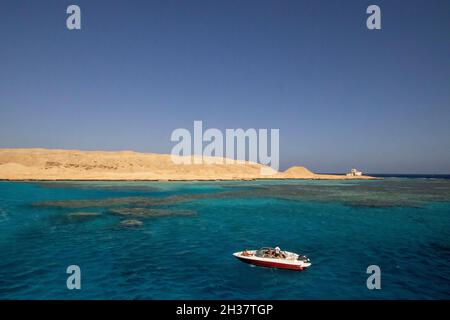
{"x": 274, "y": 258}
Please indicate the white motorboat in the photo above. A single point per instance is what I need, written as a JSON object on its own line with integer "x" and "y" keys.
{"x": 274, "y": 258}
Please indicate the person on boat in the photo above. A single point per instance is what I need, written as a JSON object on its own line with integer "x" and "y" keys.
{"x": 279, "y": 253}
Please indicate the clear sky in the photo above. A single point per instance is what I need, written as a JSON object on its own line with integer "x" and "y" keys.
{"x": 342, "y": 95}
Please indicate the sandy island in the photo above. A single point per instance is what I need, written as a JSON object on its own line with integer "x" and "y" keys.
{"x": 45, "y": 164}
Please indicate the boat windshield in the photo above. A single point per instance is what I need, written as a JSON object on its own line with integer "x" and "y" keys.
{"x": 267, "y": 252}
{"x": 263, "y": 252}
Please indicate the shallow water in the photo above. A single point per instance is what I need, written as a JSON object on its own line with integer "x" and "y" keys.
{"x": 190, "y": 229}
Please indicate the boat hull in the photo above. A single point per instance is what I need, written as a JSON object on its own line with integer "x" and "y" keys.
{"x": 271, "y": 264}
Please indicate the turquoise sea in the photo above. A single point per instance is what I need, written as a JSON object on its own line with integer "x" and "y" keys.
{"x": 183, "y": 248}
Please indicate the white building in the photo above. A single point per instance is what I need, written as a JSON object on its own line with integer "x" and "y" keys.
{"x": 354, "y": 173}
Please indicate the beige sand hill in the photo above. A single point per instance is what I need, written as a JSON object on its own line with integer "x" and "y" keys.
{"x": 44, "y": 164}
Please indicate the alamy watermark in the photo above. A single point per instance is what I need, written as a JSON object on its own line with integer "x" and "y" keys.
{"x": 374, "y": 280}
{"x": 235, "y": 146}
{"x": 373, "y": 22}
{"x": 73, "y": 22}
{"x": 74, "y": 280}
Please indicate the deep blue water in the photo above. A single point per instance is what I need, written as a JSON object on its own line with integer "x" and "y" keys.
{"x": 401, "y": 225}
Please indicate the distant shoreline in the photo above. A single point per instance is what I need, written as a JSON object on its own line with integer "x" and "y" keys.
{"x": 75, "y": 165}
{"x": 190, "y": 180}
{"x": 375, "y": 176}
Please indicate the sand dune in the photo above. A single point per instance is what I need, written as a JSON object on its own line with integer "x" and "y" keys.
{"x": 45, "y": 164}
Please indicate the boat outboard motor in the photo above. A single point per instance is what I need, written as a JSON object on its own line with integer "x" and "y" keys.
{"x": 303, "y": 258}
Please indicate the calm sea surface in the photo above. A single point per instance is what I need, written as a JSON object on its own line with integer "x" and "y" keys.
{"x": 183, "y": 249}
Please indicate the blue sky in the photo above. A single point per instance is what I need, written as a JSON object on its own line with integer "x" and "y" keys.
{"x": 342, "y": 96}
